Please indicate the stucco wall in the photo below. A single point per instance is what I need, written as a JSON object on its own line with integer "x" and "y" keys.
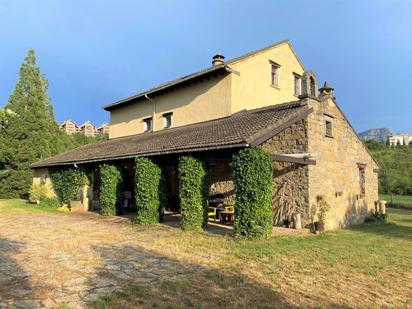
{"x": 336, "y": 173}
{"x": 248, "y": 88}
{"x": 291, "y": 180}
{"x": 252, "y": 87}
{"x": 38, "y": 173}
{"x": 203, "y": 101}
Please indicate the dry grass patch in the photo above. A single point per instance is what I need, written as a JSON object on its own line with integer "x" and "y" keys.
{"x": 364, "y": 266}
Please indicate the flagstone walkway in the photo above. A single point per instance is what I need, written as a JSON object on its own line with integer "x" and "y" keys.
{"x": 47, "y": 260}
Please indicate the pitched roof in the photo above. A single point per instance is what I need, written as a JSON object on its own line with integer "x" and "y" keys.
{"x": 243, "y": 129}
{"x": 179, "y": 81}
{"x": 223, "y": 68}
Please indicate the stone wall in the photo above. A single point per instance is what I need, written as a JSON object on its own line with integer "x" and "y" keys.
{"x": 221, "y": 181}
{"x": 291, "y": 180}
{"x": 336, "y": 174}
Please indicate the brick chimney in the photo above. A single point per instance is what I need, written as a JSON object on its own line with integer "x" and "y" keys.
{"x": 218, "y": 59}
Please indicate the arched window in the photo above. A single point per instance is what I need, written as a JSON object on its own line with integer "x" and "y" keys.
{"x": 312, "y": 86}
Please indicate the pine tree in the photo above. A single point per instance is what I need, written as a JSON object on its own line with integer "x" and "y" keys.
{"x": 31, "y": 130}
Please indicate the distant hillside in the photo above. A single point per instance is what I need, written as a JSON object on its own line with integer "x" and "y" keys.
{"x": 379, "y": 135}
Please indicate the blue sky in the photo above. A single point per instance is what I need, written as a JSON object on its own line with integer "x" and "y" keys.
{"x": 96, "y": 52}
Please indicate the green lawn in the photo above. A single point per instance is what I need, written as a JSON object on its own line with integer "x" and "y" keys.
{"x": 368, "y": 265}
{"x": 18, "y": 206}
{"x": 403, "y": 201}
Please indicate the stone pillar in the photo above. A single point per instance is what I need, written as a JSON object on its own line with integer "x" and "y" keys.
{"x": 297, "y": 220}
{"x": 382, "y": 206}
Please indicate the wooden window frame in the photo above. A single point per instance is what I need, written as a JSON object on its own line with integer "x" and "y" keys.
{"x": 297, "y": 77}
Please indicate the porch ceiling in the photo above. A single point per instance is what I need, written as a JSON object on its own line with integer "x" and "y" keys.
{"x": 244, "y": 129}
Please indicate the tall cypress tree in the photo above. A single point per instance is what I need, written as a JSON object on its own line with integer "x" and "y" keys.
{"x": 31, "y": 130}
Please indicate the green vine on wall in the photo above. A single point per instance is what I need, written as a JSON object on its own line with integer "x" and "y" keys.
{"x": 192, "y": 193}
{"x": 253, "y": 177}
{"x": 110, "y": 180}
{"x": 150, "y": 191}
{"x": 67, "y": 182}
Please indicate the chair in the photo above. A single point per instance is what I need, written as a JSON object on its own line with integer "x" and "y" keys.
{"x": 230, "y": 208}
{"x": 212, "y": 213}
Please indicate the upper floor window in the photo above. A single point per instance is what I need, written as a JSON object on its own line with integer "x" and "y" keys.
{"x": 167, "y": 120}
{"x": 328, "y": 126}
{"x": 274, "y": 74}
{"x": 147, "y": 124}
{"x": 297, "y": 84}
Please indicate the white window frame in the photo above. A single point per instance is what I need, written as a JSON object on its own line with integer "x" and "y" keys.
{"x": 274, "y": 74}
{"x": 146, "y": 122}
{"x": 167, "y": 116}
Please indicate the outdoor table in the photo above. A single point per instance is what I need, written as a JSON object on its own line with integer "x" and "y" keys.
{"x": 226, "y": 216}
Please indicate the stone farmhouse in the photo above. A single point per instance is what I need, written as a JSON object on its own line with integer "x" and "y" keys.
{"x": 266, "y": 99}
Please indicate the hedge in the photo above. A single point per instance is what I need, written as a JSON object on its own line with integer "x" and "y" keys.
{"x": 399, "y": 205}
{"x": 253, "y": 178}
{"x": 67, "y": 182}
{"x": 110, "y": 181}
{"x": 150, "y": 191}
{"x": 192, "y": 193}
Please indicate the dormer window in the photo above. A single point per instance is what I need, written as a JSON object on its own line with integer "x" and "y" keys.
{"x": 274, "y": 74}
{"x": 147, "y": 124}
{"x": 297, "y": 84}
{"x": 167, "y": 120}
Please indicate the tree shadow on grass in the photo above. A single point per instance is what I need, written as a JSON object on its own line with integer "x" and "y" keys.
{"x": 15, "y": 285}
{"x": 152, "y": 280}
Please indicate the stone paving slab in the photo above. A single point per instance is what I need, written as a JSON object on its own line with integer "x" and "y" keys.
{"x": 47, "y": 260}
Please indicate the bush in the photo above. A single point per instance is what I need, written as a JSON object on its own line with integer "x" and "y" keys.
{"x": 36, "y": 192}
{"x": 377, "y": 216}
{"x": 150, "y": 191}
{"x": 253, "y": 177}
{"x": 49, "y": 202}
{"x": 67, "y": 182}
{"x": 109, "y": 189}
{"x": 192, "y": 193}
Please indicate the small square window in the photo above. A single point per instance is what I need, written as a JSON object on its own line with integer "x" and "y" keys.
{"x": 274, "y": 74}
{"x": 297, "y": 84}
{"x": 167, "y": 120}
{"x": 147, "y": 124}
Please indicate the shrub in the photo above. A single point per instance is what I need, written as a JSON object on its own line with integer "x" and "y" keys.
{"x": 150, "y": 191}
{"x": 36, "y": 192}
{"x": 323, "y": 207}
{"x": 49, "y": 202}
{"x": 253, "y": 178}
{"x": 109, "y": 189}
{"x": 377, "y": 216}
{"x": 67, "y": 182}
{"x": 192, "y": 193}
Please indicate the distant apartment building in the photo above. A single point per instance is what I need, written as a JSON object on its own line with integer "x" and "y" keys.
{"x": 87, "y": 128}
{"x": 103, "y": 129}
{"x": 69, "y": 127}
{"x": 399, "y": 139}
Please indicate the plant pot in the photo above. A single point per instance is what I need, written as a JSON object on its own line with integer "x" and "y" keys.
{"x": 319, "y": 226}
